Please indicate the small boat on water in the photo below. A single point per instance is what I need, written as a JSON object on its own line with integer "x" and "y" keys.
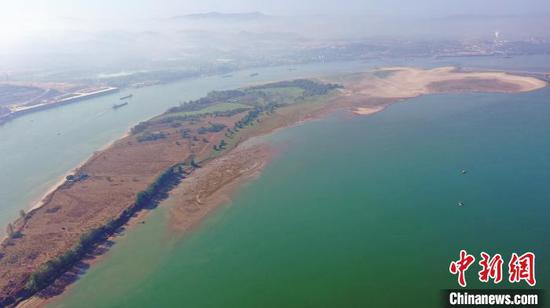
{"x": 253, "y": 74}
{"x": 461, "y": 204}
{"x": 116, "y": 106}
{"x": 464, "y": 171}
{"x": 127, "y": 96}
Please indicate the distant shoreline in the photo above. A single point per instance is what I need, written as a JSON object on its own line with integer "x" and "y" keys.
{"x": 23, "y": 111}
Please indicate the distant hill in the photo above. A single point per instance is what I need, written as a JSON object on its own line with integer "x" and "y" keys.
{"x": 271, "y": 35}
{"x": 223, "y": 16}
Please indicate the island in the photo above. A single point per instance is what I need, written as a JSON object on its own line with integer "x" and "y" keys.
{"x": 204, "y": 148}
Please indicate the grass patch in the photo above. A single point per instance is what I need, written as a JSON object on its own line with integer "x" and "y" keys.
{"x": 286, "y": 92}
{"x": 220, "y": 107}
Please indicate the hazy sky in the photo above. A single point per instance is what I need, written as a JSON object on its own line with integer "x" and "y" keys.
{"x": 31, "y": 28}
{"x": 24, "y": 18}
{"x": 163, "y": 8}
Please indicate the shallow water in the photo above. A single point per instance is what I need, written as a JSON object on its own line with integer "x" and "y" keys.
{"x": 356, "y": 212}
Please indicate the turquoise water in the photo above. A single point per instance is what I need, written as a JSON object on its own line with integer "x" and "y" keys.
{"x": 355, "y": 212}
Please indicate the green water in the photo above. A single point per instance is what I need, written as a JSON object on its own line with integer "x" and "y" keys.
{"x": 354, "y": 212}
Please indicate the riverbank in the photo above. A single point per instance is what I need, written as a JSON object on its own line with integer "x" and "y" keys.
{"x": 105, "y": 187}
{"x": 75, "y": 97}
{"x": 112, "y": 177}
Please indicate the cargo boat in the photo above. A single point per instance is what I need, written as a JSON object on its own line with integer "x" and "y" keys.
{"x": 116, "y": 106}
{"x": 127, "y": 96}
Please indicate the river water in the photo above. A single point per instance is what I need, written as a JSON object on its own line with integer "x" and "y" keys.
{"x": 38, "y": 149}
{"x": 353, "y": 211}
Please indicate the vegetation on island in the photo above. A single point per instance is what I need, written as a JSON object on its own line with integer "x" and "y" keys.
{"x": 213, "y": 128}
{"x": 251, "y": 102}
{"x": 310, "y": 87}
{"x": 151, "y": 136}
{"x": 256, "y": 100}
{"x": 216, "y": 118}
{"x": 146, "y": 199}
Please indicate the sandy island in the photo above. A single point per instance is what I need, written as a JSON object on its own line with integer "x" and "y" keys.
{"x": 404, "y": 82}
{"x": 114, "y": 175}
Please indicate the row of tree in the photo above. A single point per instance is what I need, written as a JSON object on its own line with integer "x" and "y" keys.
{"x": 210, "y": 99}
{"x": 142, "y": 126}
{"x": 213, "y": 128}
{"x": 148, "y": 198}
{"x": 253, "y": 115}
{"x": 197, "y": 117}
{"x": 310, "y": 87}
{"x": 151, "y": 136}
{"x": 220, "y": 146}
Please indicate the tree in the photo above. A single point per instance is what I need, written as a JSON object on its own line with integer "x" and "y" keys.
{"x": 10, "y": 230}
{"x": 194, "y": 164}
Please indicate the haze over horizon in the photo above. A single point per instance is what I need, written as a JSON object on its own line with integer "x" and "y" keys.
{"x": 150, "y": 8}
{"x": 81, "y": 32}
{"x": 34, "y": 15}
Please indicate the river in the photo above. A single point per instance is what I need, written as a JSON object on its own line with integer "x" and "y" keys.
{"x": 356, "y": 212}
{"x": 375, "y": 211}
{"x": 38, "y": 149}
